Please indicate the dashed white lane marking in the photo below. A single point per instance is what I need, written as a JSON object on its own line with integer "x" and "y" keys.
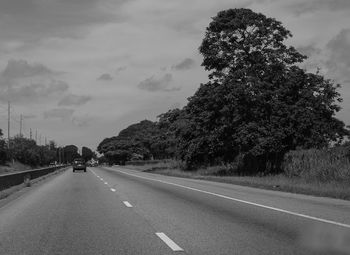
{"x": 113, "y": 190}
{"x": 127, "y": 204}
{"x": 242, "y": 201}
{"x": 169, "y": 242}
{"x": 106, "y": 183}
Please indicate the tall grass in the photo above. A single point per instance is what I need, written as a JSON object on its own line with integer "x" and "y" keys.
{"x": 327, "y": 165}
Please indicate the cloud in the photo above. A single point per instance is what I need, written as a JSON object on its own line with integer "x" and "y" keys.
{"x": 29, "y": 116}
{"x": 340, "y": 47}
{"x": 176, "y": 105}
{"x": 338, "y": 63}
{"x": 317, "y": 5}
{"x": 105, "y": 77}
{"x": 120, "y": 69}
{"x": 153, "y": 84}
{"x": 59, "y": 113}
{"x": 34, "y": 92}
{"x": 82, "y": 121}
{"x": 76, "y": 100}
{"x": 22, "y": 69}
{"x": 309, "y": 50}
{"x": 186, "y": 64}
{"x": 32, "y": 20}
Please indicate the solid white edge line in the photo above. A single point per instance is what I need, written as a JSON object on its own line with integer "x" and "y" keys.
{"x": 169, "y": 242}
{"x": 242, "y": 201}
{"x": 127, "y": 204}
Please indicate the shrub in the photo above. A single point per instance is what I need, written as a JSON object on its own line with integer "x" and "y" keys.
{"x": 326, "y": 165}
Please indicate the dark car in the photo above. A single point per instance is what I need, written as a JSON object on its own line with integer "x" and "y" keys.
{"x": 79, "y": 164}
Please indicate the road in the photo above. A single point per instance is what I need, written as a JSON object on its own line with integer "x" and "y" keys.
{"x": 111, "y": 210}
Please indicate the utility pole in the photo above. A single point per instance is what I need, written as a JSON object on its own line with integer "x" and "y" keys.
{"x": 30, "y": 133}
{"x": 45, "y": 141}
{"x": 20, "y": 126}
{"x": 8, "y": 124}
{"x": 40, "y": 139}
{"x": 36, "y": 136}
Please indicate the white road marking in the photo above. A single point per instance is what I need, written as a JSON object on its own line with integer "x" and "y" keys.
{"x": 113, "y": 190}
{"x": 127, "y": 204}
{"x": 242, "y": 201}
{"x": 169, "y": 242}
{"x": 106, "y": 183}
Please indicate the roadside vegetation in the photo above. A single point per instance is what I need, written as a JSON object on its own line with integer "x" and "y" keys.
{"x": 332, "y": 187}
{"x": 260, "y": 119}
{"x": 24, "y": 154}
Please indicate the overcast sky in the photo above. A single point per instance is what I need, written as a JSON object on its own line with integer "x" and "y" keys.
{"x": 82, "y": 70}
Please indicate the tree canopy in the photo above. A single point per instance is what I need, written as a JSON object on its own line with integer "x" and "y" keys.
{"x": 134, "y": 141}
{"x": 86, "y": 153}
{"x": 258, "y": 102}
{"x": 257, "y": 105}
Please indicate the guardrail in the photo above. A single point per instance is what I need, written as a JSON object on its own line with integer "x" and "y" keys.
{"x": 13, "y": 179}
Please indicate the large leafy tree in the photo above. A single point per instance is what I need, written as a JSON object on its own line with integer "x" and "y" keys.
{"x": 70, "y": 153}
{"x": 165, "y": 143}
{"x": 135, "y": 140}
{"x": 28, "y": 152}
{"x": 87, "y": 153}
{"x": 258, "y": 103}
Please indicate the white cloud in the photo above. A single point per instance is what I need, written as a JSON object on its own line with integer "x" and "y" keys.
{"x": 105, "y": 77}
{"x": 83, "y": 121}
{"x": 59, "y": 113}
{"x": 153, "y": 84}
{"x": 185, "y": 64}
{"x": 74, "y": 100}
{"x": 34, "y": 92}
{"x": 23, "y": 69}
{"x": 301, "y": 7}
{"x": 120, "y": 69}
{"x": 32, "y": 20}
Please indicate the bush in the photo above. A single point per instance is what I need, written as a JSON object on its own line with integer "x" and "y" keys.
{"x": 325, "y": 165}
{"x": 143, "y": 162}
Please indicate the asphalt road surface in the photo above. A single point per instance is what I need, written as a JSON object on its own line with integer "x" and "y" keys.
{"x": 119, "y": 211}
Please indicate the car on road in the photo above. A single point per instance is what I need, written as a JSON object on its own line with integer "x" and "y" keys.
{"x": 79, "y": 164}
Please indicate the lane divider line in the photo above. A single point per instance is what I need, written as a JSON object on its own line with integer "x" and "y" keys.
{"x": 127, "y": 204}
{"x": 242, "y": 201}
{"x": 114, "y": 190}
{"x": 172, "y": 245}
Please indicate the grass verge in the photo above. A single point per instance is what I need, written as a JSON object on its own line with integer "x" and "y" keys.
{"x": 281, "y": 182}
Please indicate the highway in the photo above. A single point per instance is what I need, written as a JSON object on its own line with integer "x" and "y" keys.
{"x": 112, "y": 210}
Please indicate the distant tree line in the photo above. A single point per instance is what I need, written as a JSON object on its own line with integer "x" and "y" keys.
{"x": 257, "y": 105}
{"x": 27, "y": 152}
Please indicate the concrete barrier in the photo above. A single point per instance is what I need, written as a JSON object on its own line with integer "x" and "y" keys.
{"x": 13, "y": 179}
